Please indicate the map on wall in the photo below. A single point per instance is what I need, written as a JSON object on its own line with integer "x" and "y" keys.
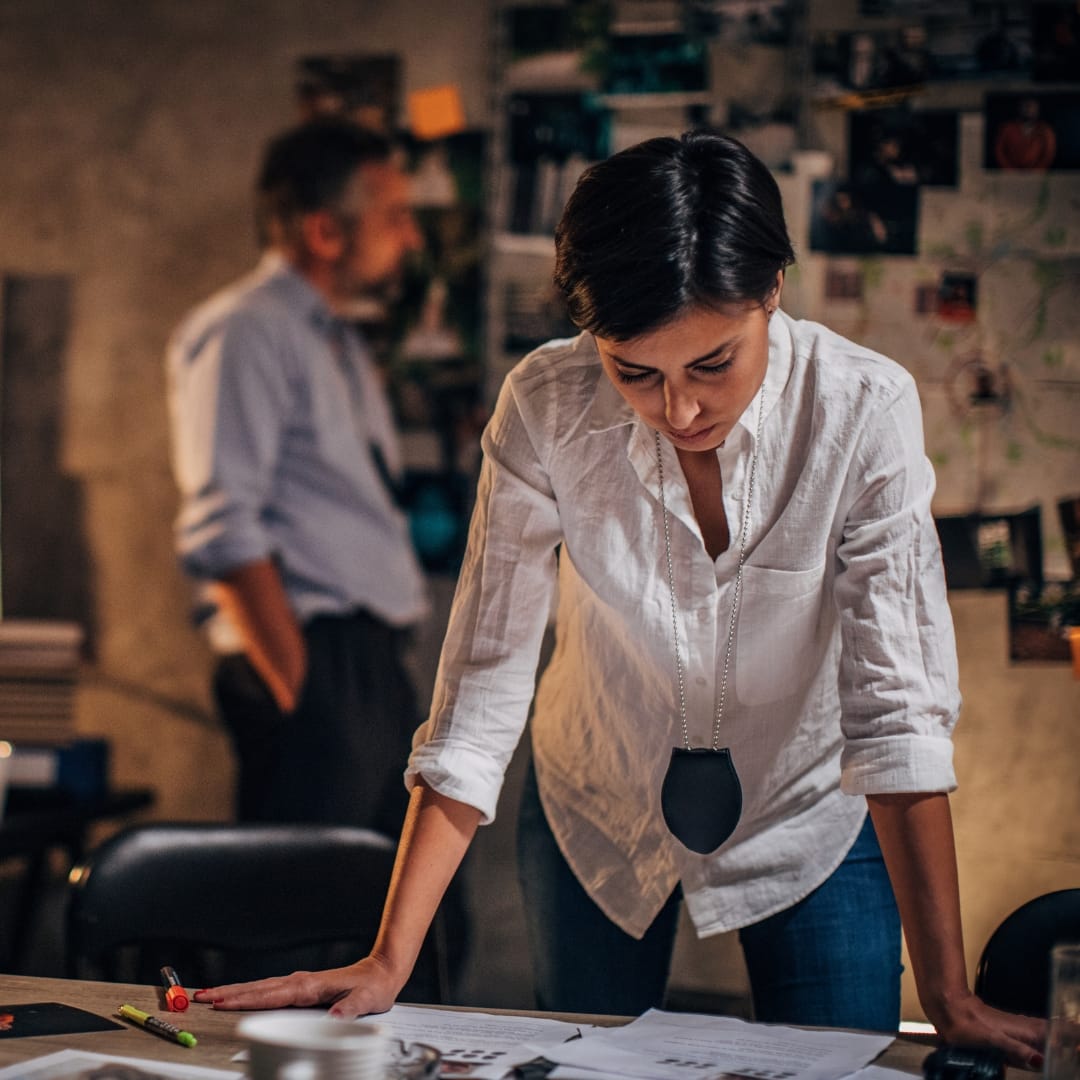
{"x": 985, "y": 316}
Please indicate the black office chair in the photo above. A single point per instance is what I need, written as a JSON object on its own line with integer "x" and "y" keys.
{"x": 227, "y": 903}
{"x": 1014, "y": 969}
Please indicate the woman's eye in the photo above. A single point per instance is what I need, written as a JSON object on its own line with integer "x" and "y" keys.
{"x": 627, "y": 377}
{"x": 701, "y": 369}
{"x": 714, "y": 369}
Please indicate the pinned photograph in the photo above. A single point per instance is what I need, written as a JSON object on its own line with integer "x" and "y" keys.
{"x": 1069, "y": 514}
{"x": 1040, "y": 619}
{"x": 855, "y": 219}
{"x": 1032, "y": 132}
{"x": 869, "y": 62}
{"x": 901, "y": 146}
{"x": 363, "y": 88}
{"x": 843, "y": 283}
{"x": 1055, "y": 42}
{"x": 988, "y": 40}
{"x": 956, "y": 297}
{"x": 991, "y": 551}
{"x": 764, "y": 22}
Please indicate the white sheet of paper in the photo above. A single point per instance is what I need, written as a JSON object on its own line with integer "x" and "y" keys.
{"x": 574, "y": 1072}
{"x": 75, "y": 1064}
{"x": 673, "y": 1046}
{"x": 492, "y": 1043}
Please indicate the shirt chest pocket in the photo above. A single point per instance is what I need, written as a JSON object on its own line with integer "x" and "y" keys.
{"x": 777, "y": 631}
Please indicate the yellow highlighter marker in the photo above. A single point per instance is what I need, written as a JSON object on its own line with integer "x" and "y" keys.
{"x": 156, "y": 1025}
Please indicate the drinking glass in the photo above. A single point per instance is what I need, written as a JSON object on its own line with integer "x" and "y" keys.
{"x": 1063, "y": 1037}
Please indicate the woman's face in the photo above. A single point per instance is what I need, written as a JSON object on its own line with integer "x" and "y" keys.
{"x": 692, "y": 379}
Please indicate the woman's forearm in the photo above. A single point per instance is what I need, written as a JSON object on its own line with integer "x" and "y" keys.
{"x": 916, "y": 837}
{"x": 435, "y": 836}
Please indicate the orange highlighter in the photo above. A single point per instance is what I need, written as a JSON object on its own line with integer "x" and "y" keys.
{"x": 176, "y": 997}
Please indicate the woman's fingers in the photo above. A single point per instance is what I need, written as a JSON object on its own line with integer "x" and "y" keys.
{"x": 306, "y": 989}
{"x": 361, "y": 988}
{"x": 1020, "y": 1038}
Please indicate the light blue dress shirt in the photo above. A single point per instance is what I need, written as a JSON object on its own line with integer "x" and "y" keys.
{"x": 275, "y": 405}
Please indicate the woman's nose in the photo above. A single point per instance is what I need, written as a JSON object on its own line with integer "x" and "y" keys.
{"x": 680, "y": 407}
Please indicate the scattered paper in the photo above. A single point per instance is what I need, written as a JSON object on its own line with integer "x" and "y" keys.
{"x": 571, "y": 1072}
{"x": 674, "y": 1046}
{"x": 79, "y": 1064}
{"x": 489, "y": 1044}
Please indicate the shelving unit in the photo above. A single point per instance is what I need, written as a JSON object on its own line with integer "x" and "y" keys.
{"x": 553, "y": 117}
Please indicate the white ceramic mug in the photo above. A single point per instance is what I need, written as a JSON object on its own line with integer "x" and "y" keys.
{"x": 303, "y": 1044}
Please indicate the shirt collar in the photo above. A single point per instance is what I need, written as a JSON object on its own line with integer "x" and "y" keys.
{"x": 299, "y": 292}
{"x": 610, "y": 410}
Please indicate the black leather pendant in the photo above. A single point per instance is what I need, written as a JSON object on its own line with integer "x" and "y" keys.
{"x": 701, "y": 798}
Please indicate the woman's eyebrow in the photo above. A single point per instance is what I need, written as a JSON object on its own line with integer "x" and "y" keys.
{"x": 722, "y": 347}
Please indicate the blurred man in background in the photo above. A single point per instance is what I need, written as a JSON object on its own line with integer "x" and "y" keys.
{"x": 286, "y": 459}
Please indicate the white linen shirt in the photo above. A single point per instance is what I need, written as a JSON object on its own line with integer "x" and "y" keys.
{"x": 843, "y": 679}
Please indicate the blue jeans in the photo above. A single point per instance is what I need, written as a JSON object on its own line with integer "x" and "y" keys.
{"x": 832, "y": 959}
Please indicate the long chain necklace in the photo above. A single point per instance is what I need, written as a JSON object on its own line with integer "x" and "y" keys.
{"x": 701, "y": 797}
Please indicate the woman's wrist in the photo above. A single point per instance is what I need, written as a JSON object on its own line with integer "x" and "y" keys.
{"x": 395, "y": 968}
{"x": 946, "y": 1006}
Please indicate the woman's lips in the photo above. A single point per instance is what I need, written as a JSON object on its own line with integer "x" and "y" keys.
{"x": 692, "y": 436}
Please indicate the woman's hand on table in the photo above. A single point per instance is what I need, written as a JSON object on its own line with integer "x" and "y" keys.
{"x": 969, "y": 1021}
{"x": 361, "y": 988}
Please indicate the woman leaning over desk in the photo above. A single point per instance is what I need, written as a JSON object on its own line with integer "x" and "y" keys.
{"x": 735, "y": 509}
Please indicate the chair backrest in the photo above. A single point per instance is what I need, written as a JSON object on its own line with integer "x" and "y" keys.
{"x": 1014, "y": 969}
{"x": 228, "y": 903}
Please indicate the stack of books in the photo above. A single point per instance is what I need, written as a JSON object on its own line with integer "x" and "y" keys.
{"x": 39, "y": 664}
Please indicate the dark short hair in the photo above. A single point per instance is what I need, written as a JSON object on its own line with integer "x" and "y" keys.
{"x": 665, "y": 226}
{"x": 309, "y": 167}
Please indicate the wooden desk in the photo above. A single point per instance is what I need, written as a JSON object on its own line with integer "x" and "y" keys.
{"x": 216, "y": 1031}
{"x": 35, "y": 823}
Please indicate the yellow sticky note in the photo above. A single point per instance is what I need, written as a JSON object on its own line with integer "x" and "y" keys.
{"x": 436, "y": 112}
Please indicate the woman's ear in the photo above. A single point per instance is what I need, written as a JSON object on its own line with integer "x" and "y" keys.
{"x": 772, "y": 302}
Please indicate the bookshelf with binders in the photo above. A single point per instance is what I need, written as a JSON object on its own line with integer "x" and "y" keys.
{"x": 39, "y": 665}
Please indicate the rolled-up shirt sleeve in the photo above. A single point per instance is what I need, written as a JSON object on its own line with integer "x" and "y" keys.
{"x": 487, "y": 670}
{"x": 898, "y": 673}
{"x": 229, "y": 397}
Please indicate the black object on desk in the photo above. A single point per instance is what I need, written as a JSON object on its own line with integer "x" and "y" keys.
{"x": 37, "y": 821}
{"x": 49, "y": 1018}
{"x": 964, "y": 1063}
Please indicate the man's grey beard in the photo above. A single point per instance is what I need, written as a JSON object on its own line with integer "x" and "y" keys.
{"x": 387, "y": 291}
